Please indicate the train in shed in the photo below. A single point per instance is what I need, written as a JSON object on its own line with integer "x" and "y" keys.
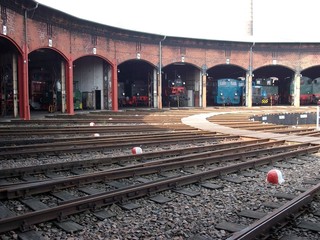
{"x": 309, "y": 91}
{"x": 176, "y": 92}
{"x": 45, "y": 92}
{"x": 227, "y": 91}
{"x": 133, "y": 94}
{"x": 316, "y": 90}
{"x": 265, "y": 91}
{"x": 231, "y": 92}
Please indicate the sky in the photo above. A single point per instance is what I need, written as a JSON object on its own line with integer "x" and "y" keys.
{"x": 272, "y": 20}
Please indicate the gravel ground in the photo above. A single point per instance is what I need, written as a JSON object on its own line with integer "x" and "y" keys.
{"x": 69, "y": 157}
{"x": 186, "y": 217}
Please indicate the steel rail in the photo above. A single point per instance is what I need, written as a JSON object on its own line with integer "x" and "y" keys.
{"x": 105, "y": 140}
{"x": 31, "y": 150}
{"x": 250, "y": 150}
{"x": 96, "y": 119}
{"x": 278, "y": 216}
{"x": 94, "y": 202}
{"x": 78, "y": 130}
{"x": 63, "y": 166}
{"x": 141, "y": 169}
{"x": 59, "y": 126}
{"x": 113, "y": 138}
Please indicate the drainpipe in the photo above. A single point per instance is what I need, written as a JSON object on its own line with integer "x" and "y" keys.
{"x": 160, "y": 74}
{"x": 25, "y": 91}
{"x": 26, "y": 10}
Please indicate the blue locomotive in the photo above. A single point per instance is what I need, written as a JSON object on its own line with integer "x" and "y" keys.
{"x": 227, "y": 91}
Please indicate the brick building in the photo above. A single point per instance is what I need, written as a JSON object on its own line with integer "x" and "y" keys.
{"x": 52, "y": 61}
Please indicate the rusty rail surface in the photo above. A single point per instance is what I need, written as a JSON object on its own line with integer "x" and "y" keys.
{"x": 277, "y": 217}
{"x": 98, "y": 200}
{"x": 115, "y": 137}
{"x": 63, "y": 166}
{"x": 170, "y": 163}
{"x": 95, "y": 144}
{"x": 21, "y": 131}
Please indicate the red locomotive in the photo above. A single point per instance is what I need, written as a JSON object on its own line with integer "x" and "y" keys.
{"x": 176, "y": 92}
{"x": 133, "y": 95}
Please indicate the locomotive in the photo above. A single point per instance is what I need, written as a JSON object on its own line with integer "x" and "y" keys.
{"x": 176, "y": 92}
{"x": 308, "y": 91}
{"x": 41, "y": 94}
{"x": 316, "y": 90}
{"x": 133, "y": 95}
{"x": 227, "y": 91}
{"x": 265, "y": 91}
{"x": 46, "y": 94}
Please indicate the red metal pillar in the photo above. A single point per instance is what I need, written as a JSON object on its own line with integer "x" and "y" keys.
{"x": 69, "y": 87}
{"x": 114, "y": 86}
{"x": 23, "y": 88}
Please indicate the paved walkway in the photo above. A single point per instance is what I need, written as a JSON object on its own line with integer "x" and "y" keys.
{"x": 200, "y": 121}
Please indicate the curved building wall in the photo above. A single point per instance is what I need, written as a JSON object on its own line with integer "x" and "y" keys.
{"x": 31, "y": 26}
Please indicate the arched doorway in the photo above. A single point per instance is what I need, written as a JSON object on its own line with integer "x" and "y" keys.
{"x": 276, "y": 76}
{"x": 91, "y": 83}
{"x": 9, "y": 84}
{"x": 181, "y": 85}
{"x": 47, "y": 76}
{"x": 231, "y": 93}
{"x": 136, "y": 80}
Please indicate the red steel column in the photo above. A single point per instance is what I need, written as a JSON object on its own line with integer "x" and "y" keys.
{"x": 114, "y": 86}
{"x": 69, "y": 87}
{"x": 24, "y": 89}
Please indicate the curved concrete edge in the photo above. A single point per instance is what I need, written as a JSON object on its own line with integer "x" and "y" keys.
{"x": 200, "y": 121}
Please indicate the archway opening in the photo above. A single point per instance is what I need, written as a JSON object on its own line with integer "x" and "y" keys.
{"x": 225, "y": 85}
{"x": 9, "y": 84}
{"x": 91, "y": 83}
{"x": 272, "y": 85}
{"x": 46, "y": 77}
{"x": 181, "y": 85}
{"x": 135, "y": 84}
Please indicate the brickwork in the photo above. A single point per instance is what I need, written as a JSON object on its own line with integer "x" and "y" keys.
{"x": 74, "y": 43}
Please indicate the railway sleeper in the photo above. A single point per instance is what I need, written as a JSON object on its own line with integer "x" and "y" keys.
{"x": 98, "y": 200}
{"x": 47, "y": 186}
{"x": 270, "y": 224}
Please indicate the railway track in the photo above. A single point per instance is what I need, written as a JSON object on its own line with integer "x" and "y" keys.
{"x": 287, "y": 214}
{"x": 125, "y": 159}
{"x": 243, "y": 121}
{"x": 67, "y": 207}
{"x": 100, "y": 144}
{"x": 208, "y": 171}
{"x": 38, "y": 131}
{"x": 155, "y": 166}
{"x": 116, "y": 136}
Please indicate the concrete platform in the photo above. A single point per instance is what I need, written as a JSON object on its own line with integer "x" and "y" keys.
{"x": 200, "y": 121}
